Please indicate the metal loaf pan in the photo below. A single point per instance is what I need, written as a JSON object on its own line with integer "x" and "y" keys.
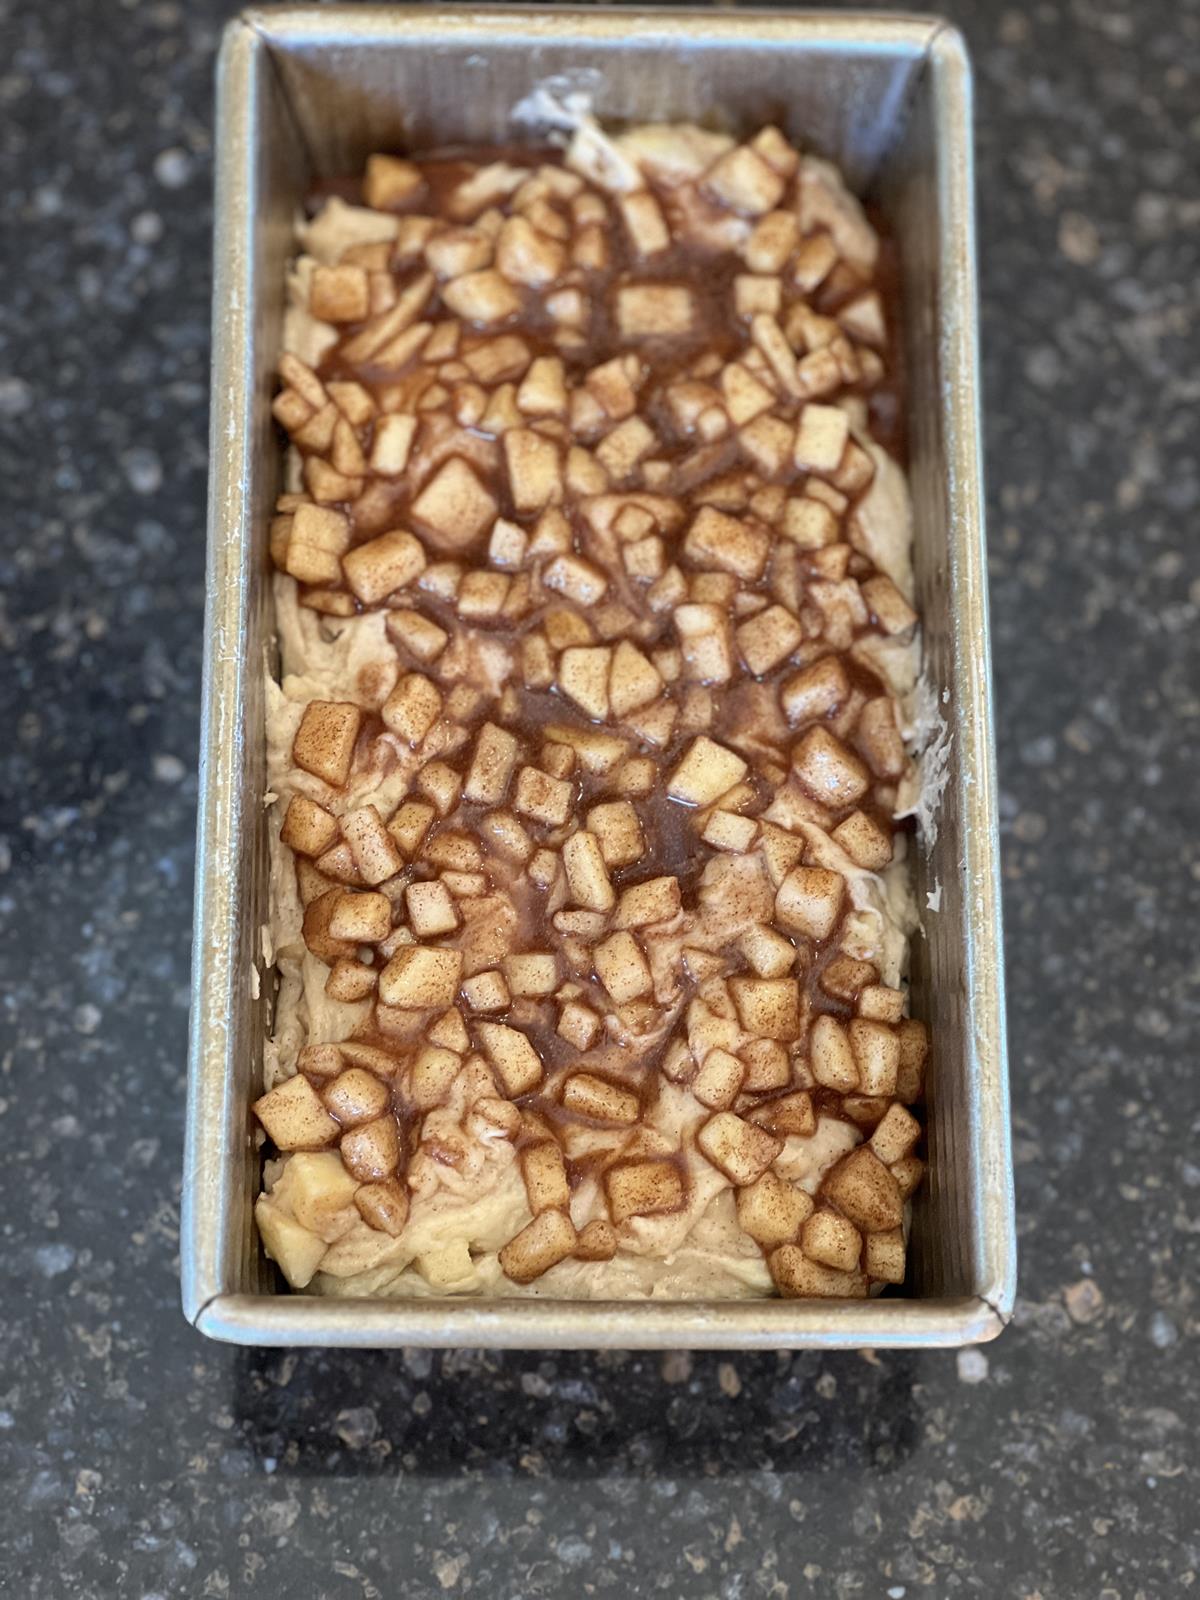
{"x": 307, "y": 92}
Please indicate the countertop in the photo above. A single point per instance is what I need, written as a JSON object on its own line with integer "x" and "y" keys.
{"x": 140, "y": 1460}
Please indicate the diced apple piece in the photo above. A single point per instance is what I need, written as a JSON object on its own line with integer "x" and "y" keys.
{"x": 430, "y": 909}
{"x": 655, "y": 310}
{"x": 877, "y": 1051}
{"x": 543, "y": 798}
{"x": 883, "y": 1256}
{"x": 362, "y": 918}
{"x": 578, "y": 1025}
{"x": 831, "y": 1240}
{"x": 383, "y": 1206}
{"x": 320, "y": 1193}
{"x": 809, "y": 523}
{"x": 896, "y": 1136}
{"x": 513, "y": 1058}
{"x": 295, "y": 1250}
{"x": 643, "y": 1189}
{"x": 339, "y": 294}
{"x": 548, "y": 1239}
{"x": 308, "y": 828}
{"x": 771, "y": 1211}
{"x": 908, "y": 1172}
{"x": 450, "y": 1032}
{"x": 372, "y": 846}
{"x": 419, "y": 978}
{"x": 589, "y": 1096}
{"x": 315, "y": 928}
{"x": 864, "y": 1190}
{"x": 818, "y": 691}
{"x": 867, "y": 1110}
{"x": 493, "y": 361}
{"x": 863, "y": 319}
{"x": 526, "y": 255}
{"x": 798, "y": 1278}
{"x": 325, "y": 739}
{"x": 294, "y": 1117}
{"x": 598, "y": 752}
{"x": 768, "y": 1065}
{"x": 789, "y": 1114}
{"x": 878, "y": 737}
{"x": 597, "y": 1241}
{"x": 830, "y": 772}
{"x": 704, "y": 637}
{"x": 456, "y": 251}
{"x": 705, "y": 773}
{"x": 645, "y": 559}
{"x": 718, "y": 1081}
{"x": 768, "y": 952}
{"x": 745, "y": 397}
{"x": 350, "y": 981}
{"x": 371, "y": 1151}
{"x": 768, "y": 442}
{"x": 772, "y": 242}
{"x": 587, "y": 875}
{"x": 809, "y": 901}
{"x": 768, "y": 638}
{"x": 412, "y": 708}
{"x": 879, "y": 1003}
{"x": 491, "y": 766}
{"x": 769, "y": 338}
{"x": 744, "y": 182}
{"x": 534, "y": 469}
{"x": 621, "y": 450}
{"x": 487, "y": 992}
{"x": 441, "y": 784}
{"x": 643, "y": 217}
{"x": 831, "y": 1057}
{"x": 754, "y": 295}
{"x": 317, "y": 539}
{"x": 431, "y": 1076}
{"x": 545, "y": 1176}
{"x": 583, "y": 674}
{"x": 381, "y": 566}
{"x": 454, "y": 507}
{"x": 914, "y": 1047}
{"x": 717, "y": 540}
{"x": 633, "y": 680}
{"x": 410, "y": 824}
{"x": 543, "y": 392}
{"x": 391, "y": 182}
{"x": 355, "y": 1096}
{"x": 291, "y": 410}
{"x": 484, "y": 298}
{"x": 821, "y": 438}
{"x": 452, "y": 848}
{"x": 768, "y": 1007}
{"x": 737, "y": 1148}
{"x": 577, "y": 579}
{"x": 417, "y": 634}
{"x": 642, "y": 904}
{"x": 338, "y": 863}
{"x": 621, "y": 968}
{"x": 889, "y": 607}
{"x": 532, "y": 974}
{"x": 613, "y": 386}
{"x": 815, "y": 259}
{"x": 615, "y": 824}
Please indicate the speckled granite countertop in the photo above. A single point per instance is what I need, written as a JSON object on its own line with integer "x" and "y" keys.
{"x": 137, "y": 1459}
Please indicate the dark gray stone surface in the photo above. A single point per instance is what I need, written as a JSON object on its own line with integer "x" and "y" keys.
{"x": 139, "y": 1460}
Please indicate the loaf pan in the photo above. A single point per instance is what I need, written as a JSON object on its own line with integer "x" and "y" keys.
{"x": 309, "y": 92}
